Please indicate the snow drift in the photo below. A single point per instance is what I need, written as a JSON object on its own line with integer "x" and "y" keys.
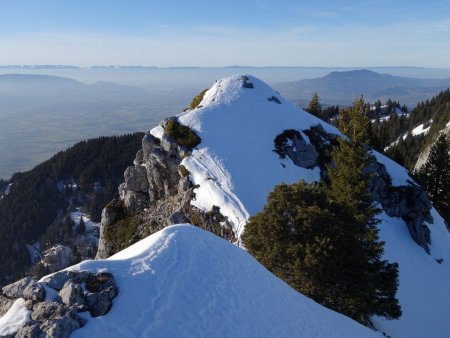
{"x": 186, "y": 282}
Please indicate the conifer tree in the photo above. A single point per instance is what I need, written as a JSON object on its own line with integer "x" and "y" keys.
{"x": 435, "y": 175}
{"x": 349, "y": 187}
{"x": 299, "y": 237}
{"x": 314, "y": 106}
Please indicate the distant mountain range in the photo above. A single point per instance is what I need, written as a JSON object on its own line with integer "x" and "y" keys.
{"x": 31, "y": 84}
{"x": 342, "y": 87}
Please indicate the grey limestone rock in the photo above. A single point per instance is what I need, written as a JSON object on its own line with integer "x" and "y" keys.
{"x": 56, "y": 320}
{"x": 59, "y": 279}
{"x": 72, "y": 295}
{"x": 136, "y": 179}
{"x": 26, "y": 288}
{"x": 30, "y": 330}
{"x": 5, "y": 304}
{"x": 291, "y": 143}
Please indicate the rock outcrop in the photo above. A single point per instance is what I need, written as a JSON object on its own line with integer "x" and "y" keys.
{"x": 156, "y": 193}
{"x": 26, "y": 288}
{"x": 58, "y": 257}
{"x": 292, "y": 144}
{"x": 410, "y": 202}
{"x": 71, "y": 292}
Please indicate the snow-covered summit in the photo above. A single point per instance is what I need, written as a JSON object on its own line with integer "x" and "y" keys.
{"x": 235, "y": 165}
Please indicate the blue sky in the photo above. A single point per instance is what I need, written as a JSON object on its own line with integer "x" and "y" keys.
{"x": 221, "y": 33}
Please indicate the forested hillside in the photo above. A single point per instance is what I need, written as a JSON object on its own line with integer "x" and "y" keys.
{"x": 435, "y": 114}
{"x": 85, "y": 175}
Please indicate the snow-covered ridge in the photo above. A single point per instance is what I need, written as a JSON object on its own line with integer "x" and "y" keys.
{"x": 186, "y": 282}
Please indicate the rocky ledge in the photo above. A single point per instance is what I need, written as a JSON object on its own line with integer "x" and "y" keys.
{"x": 54, "y": 302}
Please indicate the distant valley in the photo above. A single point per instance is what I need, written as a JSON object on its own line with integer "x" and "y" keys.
{"x": 40, "y": 115}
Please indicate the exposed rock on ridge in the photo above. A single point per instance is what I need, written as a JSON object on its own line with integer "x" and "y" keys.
{"x": 157, "y": 193}
{"x": 55, "y": 314}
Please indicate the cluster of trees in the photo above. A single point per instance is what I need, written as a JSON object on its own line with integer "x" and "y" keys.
{"x": 322, "y": 239}
{"x": 328, "y": 114}
{"x": 381, "y": 133}
{"x": 390, "y": 107}
{"x": 436, "y": 114}
{"x": 404, "y": 147}
{"x": 388, "y": 130}
{"x": 384, "y": 133}
{"x": 35, "y": 201}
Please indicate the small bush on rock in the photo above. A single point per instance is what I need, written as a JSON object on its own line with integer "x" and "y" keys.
{"x": 183, "y": 135}
{"x": 183, "y": 170}
{"x": 123, "y": 232}
{"x": 196, "y": 100}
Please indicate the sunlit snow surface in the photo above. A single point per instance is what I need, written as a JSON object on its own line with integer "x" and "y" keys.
{"x": 186, "y": 282}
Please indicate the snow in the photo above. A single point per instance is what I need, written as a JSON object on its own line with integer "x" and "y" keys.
{"x": 6, "y": 190}
{"x": 419, "y": 130}
{"x": 186, "y": 282}
{"x": 15, "y": 318}
{"x": 90, "y": 225}
{"x": 423, "y": 289}
{"x": 397, "y": 111}
{"x": 90, "y": 237}
{"x": 399, "y": 175}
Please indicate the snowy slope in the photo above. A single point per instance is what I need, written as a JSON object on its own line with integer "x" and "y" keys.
{"x": 186, "y": 282}
{"x": 236, "y": 169}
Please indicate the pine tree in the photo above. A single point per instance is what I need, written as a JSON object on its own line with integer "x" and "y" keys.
{"x": 377, "y": 283}
{"x": 435, "y": 175}
{"x": 299, "y": 237}
{"x": 354, "y": 123}
{"x": 314, "y": 106}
